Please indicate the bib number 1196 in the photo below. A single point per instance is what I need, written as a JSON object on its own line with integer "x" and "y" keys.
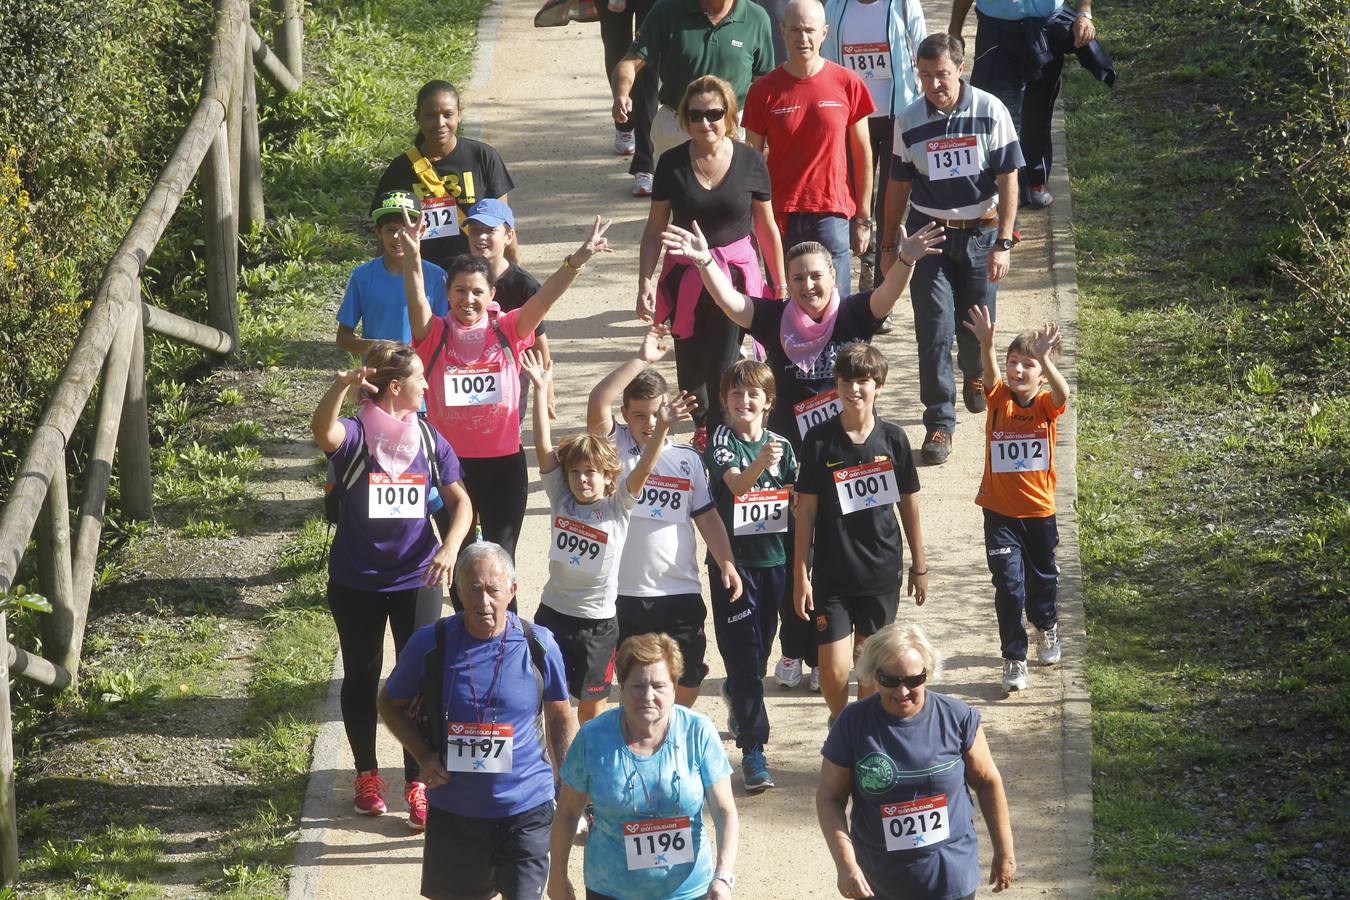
{"x": 653, "y": 843}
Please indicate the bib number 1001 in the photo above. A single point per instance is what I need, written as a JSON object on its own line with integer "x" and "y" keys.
{"x": 866, "y": 486}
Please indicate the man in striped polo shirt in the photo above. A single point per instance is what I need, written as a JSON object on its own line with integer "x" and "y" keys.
{"x": 955, "y": 163}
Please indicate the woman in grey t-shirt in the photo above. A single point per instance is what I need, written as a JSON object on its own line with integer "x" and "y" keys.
{"x": 907, "y": 757}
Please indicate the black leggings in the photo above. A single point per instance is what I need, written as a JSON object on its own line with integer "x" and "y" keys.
{"x": 499, "y": 487}
{"x": 616, "y": 31}
{"x": 360, "y": 617}
{"x": 701, "y": 358}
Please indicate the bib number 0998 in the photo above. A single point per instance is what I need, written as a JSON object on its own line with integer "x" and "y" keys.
{"x": 652, "y": 496}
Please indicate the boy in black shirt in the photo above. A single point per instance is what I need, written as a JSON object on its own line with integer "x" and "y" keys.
{"x": 853, "y": 468}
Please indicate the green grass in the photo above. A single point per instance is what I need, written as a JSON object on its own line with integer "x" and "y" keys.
{"x": 1213, "y": 434}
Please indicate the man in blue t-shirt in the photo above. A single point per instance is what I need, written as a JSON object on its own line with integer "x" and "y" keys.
{"x": 507, "y": 725}
{"x": 374, "y": 296}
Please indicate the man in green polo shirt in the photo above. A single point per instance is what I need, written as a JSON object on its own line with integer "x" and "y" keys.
{"x": 685, "y": 39}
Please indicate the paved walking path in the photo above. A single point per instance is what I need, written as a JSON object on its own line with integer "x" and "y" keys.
{"x": 539, "y": 98}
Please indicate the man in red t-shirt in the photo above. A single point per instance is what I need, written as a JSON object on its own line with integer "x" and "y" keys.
{"x": 811, "y": 115}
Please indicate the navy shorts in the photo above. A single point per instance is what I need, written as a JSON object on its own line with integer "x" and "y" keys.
{"x": 587, "y": 647}
{"x": 681, "y": 616}
{"x": 468, "y": 858}
{"x": 838, "y": 617}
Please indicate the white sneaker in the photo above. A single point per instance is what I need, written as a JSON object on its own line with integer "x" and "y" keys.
{"x": 1014, "y": 675}
{"x": 814, "y": 684}
{"x": 625, "y": 143}
{"x": 642, "y": 184}
{"x": 1047, "y": 645}
{"x": 788, "y": 672}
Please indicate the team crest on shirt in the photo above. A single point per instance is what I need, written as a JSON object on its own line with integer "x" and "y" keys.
{"x": 876, "y": 773}
{"x": 881, "y": 458}
{"x": 685, "y": 467}
{"x": 723, "y": 456}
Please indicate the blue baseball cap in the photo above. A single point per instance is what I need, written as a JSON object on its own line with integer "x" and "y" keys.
{"x": 492, "y": 212}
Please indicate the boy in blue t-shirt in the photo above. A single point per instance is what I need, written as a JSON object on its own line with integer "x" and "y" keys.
{"x": 374, "y": 297}
{"x": 751, "y": 471}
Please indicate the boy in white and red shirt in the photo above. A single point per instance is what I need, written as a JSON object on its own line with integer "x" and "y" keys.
{"x": 1018, "y": 489}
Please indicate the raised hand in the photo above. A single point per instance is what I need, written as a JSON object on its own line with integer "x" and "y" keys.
{"x": 536, "y": 369}
{"x": 410, "y": 234}
{"x": 690, "y": 244}
{"x": 357, "y": 378}
{"x": 654, "y": 344}
{"x": 680, "y": 408}
{"x": 596, "y": 243}
{"x": 924, "y": 242}
{"x": 1046, "y": 340}
{"x": 980, "y": 324}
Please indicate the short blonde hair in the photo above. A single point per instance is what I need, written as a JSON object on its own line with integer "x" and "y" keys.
{"x": 887, "y": 646}
{"x": 710, "y": 84}
{"x": 593, "y": 449}
{"x": 648, "y": 649}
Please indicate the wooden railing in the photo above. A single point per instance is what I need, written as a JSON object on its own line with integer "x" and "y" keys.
{"x": 220, "y": 144}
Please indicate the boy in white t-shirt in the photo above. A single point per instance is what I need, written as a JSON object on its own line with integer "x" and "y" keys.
{"x": 659, "y": 587}
{"x": 589, "y": 510}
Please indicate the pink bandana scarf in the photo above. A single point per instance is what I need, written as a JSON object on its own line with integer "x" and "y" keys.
{"x": 467, "y": 343}
{"x": 393, "y": 442}
{"x": 803, "y": 338}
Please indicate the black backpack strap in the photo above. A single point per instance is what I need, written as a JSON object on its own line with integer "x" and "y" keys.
{"x": 536, "y": 657}
{"x": 436, "y": 354}
{"x": 429, "y": 448}
{"x": 357, "y": 467}
{"x": 501, "y": 339}
{"x": 433, "y": 679}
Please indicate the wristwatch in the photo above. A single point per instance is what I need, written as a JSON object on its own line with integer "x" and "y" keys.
{"x": 725, "y": 876}
{"x": 1003, "y": 243}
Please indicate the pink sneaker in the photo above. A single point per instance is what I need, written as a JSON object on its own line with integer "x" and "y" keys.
{"x": 416, "y": 795}
{"x": 369, "y": 788}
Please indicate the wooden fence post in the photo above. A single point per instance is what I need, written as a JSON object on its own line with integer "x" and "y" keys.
{"x": 251, "y": 210}
{"x": 133, "y": 440}
{"x": 222, "y": 239}
{"x": 54, "y": 568}
{"x": 9, "y": 828}
{"x": 289, "y": 35}
{"x": 234, "y": 116}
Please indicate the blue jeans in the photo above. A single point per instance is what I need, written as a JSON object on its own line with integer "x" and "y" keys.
{"x": 1002, "y": 67}
{"x": 831, "y": 229}
{"x": 943, "y": 290}
{"x": 1021, "y": 554}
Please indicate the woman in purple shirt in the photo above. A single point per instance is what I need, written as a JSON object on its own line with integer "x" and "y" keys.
{"x": 386, "y": 563}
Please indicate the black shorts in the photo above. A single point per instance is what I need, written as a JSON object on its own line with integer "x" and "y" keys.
{"x": 468, "y": 858}
{"x": 682, "y": 616}
{"x": 587, "y": 647}
{"x": 837, "y": 617}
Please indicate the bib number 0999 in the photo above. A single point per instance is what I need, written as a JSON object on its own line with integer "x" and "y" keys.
{"x": 570, "y": 543}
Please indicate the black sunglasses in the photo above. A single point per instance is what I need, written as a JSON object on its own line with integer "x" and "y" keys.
{"x": 887, "y": 680}
{"x": 698, "y": 115}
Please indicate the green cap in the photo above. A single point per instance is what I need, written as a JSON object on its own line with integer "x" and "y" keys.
{"x": 395, "y": 202}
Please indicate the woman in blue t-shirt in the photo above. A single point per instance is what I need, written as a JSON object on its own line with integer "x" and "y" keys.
{"x": 386, "y": 564}
{"x": 906, "y": 758}
{"x": 648, "y": 767}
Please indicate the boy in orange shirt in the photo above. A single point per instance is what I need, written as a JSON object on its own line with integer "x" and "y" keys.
{"x": 1018, "y": 489}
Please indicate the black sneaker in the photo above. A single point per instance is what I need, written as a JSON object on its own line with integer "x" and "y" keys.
{"x": 936, "y": 447}
{"x": 973, "y": 393}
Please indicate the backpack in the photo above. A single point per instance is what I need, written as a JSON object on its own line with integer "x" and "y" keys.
{"x": 427, "y": 708}
{"x": 356, "y": 468}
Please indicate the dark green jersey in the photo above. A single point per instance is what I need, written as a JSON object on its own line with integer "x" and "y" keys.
{"x": 762, "y": 519}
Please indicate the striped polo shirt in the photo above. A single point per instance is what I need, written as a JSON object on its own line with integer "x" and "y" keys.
{"x": 952, "y": 158}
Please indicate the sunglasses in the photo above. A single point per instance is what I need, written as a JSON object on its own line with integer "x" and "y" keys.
{"x": 698, "y": 115}
{"x": 913, "y": 682}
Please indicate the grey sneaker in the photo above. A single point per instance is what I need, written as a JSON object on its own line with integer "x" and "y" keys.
{"x": 1040, "y": 197}
{"x": 1014, "y": 675}
{"x": 1048, "y": 650}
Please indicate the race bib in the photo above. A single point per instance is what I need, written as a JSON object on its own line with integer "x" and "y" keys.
{"x": 760, "y": 512}
{"x": 397, "y": 496}
{"x": 473, "y": 385}
{"x": 866, "y": 487}
{"x": 470, "y": 747}
{"x": 952, "y": 157}
{"x": 1012, "y": 452}
{"x": 918, "y": 823}
{"x": 664, "y": 499}
{"x": 578, "y": 546}
{"x": 821, "y": 408}
{"x": 869, "y": 60}
{"x": 442, "y": 215}
{"x": 653, "y": 843}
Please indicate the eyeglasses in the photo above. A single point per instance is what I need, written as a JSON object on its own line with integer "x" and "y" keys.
{"x": 698, "y": 115}
{"x": 913, "y": 682}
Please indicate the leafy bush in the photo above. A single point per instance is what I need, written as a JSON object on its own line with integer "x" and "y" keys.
{"x": 92, "y": 97}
